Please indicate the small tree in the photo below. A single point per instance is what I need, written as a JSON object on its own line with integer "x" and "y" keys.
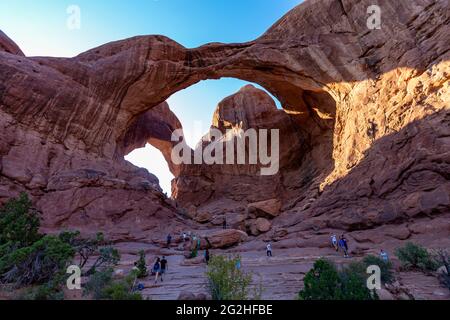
{"x": 108, "y": 257}
{"x": 85, "y": 247}
{"x": 325, "y": 282}
{"x": 44, "y": 260}
{"x": 141, "y": 266}
{"x": 322, "y": 282}
{"x": 225, "y": 280}
{"x": 387, "y": 276}
{"x": 19, "y": 223}
{"x": 413, "y": 256}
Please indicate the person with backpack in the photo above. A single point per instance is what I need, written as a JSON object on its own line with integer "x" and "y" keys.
{"x": 157, "y": 269}
{"x": 343, "y": 245}
{"x": 164, "y": 266}
{"x": 334, "y": 242}
{"x": 269, "y": 250}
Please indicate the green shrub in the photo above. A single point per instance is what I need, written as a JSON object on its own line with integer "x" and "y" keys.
{"x": 19, "y": 223}
{"x": 36, "y": 264}
{"x": 120, "y": 290}
{"x": 325, "y": 282}
{"x": 225, "y": 280}
{"x": 354, "y": 283}
{"x": 84, "y": 247}
{"x": 98, "y": 281}
{"x": 322, "y": 282}
{"x": 102, "y": 286}
{"x": 141, "y": 266}
{"x": 51, "y": 290}
{"x": 413, "y": 256}
{"x": 387, "y": 275}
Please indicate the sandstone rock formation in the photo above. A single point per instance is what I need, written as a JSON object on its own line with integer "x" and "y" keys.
{"x": 371, "y": 108}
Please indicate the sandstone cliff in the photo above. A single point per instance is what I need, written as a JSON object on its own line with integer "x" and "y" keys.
{"x": 372, "y": 107}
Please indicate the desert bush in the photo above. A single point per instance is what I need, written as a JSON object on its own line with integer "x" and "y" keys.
{"x": 226, "y": 281}
{"x": 19, "y": 222}
{"x": 103, "y": 286}
{"x": 52, "y": 290}
{"x": 322, "y": 282}
{"x": 37, "y": 263}
{"x": 387, "y": 275}
{"x": 141, "y": 266}
{"x": 413, "y": 256}
{"x": 97, "y": 282}
{"x": 325, "y": 282}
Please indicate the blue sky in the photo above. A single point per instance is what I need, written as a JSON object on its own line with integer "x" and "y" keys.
{"x": 40, "y": 29}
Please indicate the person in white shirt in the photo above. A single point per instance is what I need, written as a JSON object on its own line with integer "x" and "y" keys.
{"x": 334, "y": 242}
{"x": 269, "y": 250}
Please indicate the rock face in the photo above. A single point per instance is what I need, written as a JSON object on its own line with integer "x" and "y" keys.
{"x": 219, "y": 184}
{"x": 366, "y": 113}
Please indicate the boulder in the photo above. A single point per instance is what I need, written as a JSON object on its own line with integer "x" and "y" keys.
{"x": 267, "y": 209}
{"x": 263, "y": 225}
{"x": 222, "y": 239}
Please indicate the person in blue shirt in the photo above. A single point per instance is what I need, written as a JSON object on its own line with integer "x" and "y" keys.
{"x": 384, "y": 256}
{"x": 343, "y": 245}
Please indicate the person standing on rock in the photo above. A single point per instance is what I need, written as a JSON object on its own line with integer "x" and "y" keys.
{"x": 334, "y": 242}
{"x": 164, "y": 267}
{"x": 343, "y": 245}
{"x": 269, "y": 250}
{"x": 384, "y": 256}
{"x": 157, "y": 269}
{"x": 224, "y": 223}
{"x": 169, "y": 240}
{"x": 207, "y": 256}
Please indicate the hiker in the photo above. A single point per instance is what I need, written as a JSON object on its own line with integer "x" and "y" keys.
{"x": 209, "y": 243}
{"x": 207, "y": 256}
{"x": 157, "y": 269}
{"x": 169, "y": 240}
{"x": 184, "y": 236}
{"x": 343, "y": 245}
{"x": 384, "y": 256}
{"x": 238, "y": 264}
{"x": 334, "y": 242}
{"x": 224, "y": 223}
{"x": 164, "y": 267}
{"x": 269, "y": 250}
